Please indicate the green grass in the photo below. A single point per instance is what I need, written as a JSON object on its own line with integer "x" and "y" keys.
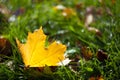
{"x": 74, "y": 35}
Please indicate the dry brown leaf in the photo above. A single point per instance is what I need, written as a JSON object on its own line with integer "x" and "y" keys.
{"x": 101, "y": 55}
{"x": 5, "y": 46}
{"x": 86, "y": 53}
{"x": 96, "y": 78}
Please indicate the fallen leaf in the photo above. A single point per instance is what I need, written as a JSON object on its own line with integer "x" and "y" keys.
{"x": 5, "y": 46}
{"x": 86, "y": 53}
{"x": 96, "y": 78}
{"x": 89, "y": 18}
{"x": 35, "y": 54}
{"x": 101, "y": 55}
{"x": 67, "y": 12}
{"x": 59, "y": 7}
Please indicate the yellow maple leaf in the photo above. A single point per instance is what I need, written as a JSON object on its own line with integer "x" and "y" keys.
{"x": 34, "y": 53}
